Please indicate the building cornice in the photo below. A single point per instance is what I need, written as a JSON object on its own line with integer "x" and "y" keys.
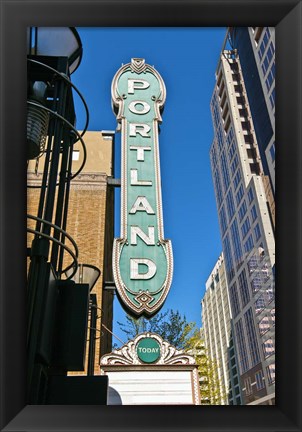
{"x": 95, "y": 180}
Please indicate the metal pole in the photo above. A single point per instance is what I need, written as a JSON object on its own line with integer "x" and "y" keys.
{"x": 92, "y": 334}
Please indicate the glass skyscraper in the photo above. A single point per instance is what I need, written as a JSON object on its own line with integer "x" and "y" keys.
{"x": 256, "y": 49}
{"x": 243, "y": 133}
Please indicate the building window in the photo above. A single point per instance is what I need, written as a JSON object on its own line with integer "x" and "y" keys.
{"x": 251, "y": 153}
{"x": 243, "y": 358}
{"x": 266, "y": 273}
{"x": 263, "y": 44}
{"x": 232, "y": 151}
{"x": 272, "y": 99}
{"x": 215, "y": 111}
{"x": 237, "y": 179}
{"x": 243, "y": 113}
{"x": 245, "y": 228}
{"x": 268, "y": 348}
{"x": 248, "y": 386}
{"x": 271, "y": 373}
{"x": 228, "y": 258}
{"x": 259, "y": 377}
{"x": 240, "y": 100}
{"x": 223, "y": 220}
{"x": 259, "y": 304}
{"x": 272, "y": 152}
{"x": 249, "y": 244}
{"x": 234, "y": 67}
{"x": 213, "y": 157}
{"x": 238, "y": 88}
{"x": 268, "y": 58}
{"x": 269, "y": 81}
{"x": 255, "y": 168}
{"x": 230, "y": 204}
{"x": 270, "y": 77}
{"x": 256, "y": 283}
{"x": 230, "y": 136}
{"x": 218, "y": 188}
{"x": 231, "y": 133}
{"x": 223, "y": 101}
{"x": 242, "y": 210}
{"x": 254, "y": 213}
{"x": 252, "y": 264}
{"x": 267, "y": 32}
{"x": 252, "y": 337}
{"x": 243, "y": 288}
{"x": 249, "y": 139}
{"x": 250, "y": 195}
{"x": 264, "y": 325}
{"x": 273, "y": 316}
{"x": 234, "y": 300}
{"x": 265, "y": 66}
{"x": 225, "y": 171}
{"x": 257, "y": 232}
{"x": 220, "y": 139}
{"x": 270, "y": 52}
{"x": 273, "y": 69}
{"x": 257, "y": 34}
{"x": 239, "y": 195}
{"x": 270, "y": 294}
{"x": 234, "y": 164}
{"x": 236, "y": 242}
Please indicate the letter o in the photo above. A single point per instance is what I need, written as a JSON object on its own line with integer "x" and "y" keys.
{"x": 134, "y": 110}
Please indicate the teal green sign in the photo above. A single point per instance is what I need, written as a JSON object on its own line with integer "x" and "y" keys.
{"x": 142, "y": 258}
{"x": 148, "y": 350}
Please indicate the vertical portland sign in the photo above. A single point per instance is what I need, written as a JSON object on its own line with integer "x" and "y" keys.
{"x": 142, "y": 259}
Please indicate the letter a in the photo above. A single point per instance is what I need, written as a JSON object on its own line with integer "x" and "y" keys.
{"x": 141, "y": 204}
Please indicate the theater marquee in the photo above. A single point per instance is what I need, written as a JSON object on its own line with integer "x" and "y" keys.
{"x": 142, "y": 259}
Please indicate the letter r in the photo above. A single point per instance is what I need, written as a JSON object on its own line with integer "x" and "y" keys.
{"x": 139, "y": 128}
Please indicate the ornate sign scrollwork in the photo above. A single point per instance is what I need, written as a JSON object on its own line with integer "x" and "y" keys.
{"x": 127, "y": 355}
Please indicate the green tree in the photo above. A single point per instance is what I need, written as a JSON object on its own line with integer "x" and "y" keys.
{"x": 170, "y": 325}
{"x": 212, "y": 390}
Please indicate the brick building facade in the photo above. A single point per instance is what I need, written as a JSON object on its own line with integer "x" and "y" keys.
{"x": 89, "y": 222}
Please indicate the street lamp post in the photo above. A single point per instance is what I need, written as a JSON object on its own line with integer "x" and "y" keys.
{"x": 53, "y": 54}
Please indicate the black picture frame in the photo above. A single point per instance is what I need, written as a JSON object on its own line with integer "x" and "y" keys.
{"x": 285, "y": 15}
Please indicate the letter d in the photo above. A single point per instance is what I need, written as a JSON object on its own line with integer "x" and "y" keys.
{"x": 134, "y": 267}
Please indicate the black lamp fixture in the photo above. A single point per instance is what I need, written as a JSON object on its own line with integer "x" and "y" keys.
{"x": 86, "y": 273}
{"x": 37, "y": 119}
{"x": 47, "y": 42}
{"x": 56, "y": 42}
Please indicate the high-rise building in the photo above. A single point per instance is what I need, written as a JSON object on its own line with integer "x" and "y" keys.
{"x": 246, "y": 228}
{"x": 256, "y": 50}
{"x": 218, "y": 333}
{"x": 90, "y": 223}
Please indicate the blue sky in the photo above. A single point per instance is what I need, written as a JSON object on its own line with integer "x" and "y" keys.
{"x": 187, "y": 59}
